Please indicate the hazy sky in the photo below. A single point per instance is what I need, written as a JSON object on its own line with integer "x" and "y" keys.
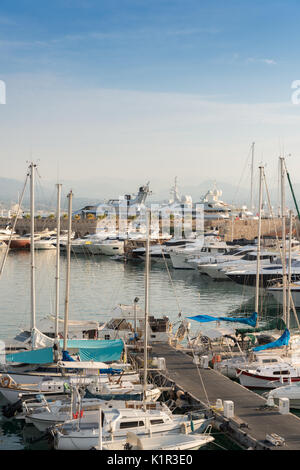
{"x": 143, "y": 89}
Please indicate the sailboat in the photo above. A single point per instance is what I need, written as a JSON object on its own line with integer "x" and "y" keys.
{"x": 115, "y": 423}
{"x": 267, "y": 375}
{"x": 45, "y": 358}
{"x": 77, "y": 435}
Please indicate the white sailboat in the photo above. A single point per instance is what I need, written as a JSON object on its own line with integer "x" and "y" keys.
{"x": 288, "y": 370}
{"x": 74, "y": 435}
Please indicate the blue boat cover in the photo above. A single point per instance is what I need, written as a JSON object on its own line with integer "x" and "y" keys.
{"x": 36, "y": 356}
{"x": 246, "y": 320}
{"x": 282, "y": 341}
{"x": 111, "y": 371}
{"x": 66, "y": 356}
{"x": 90, "y": 343}
{"x": 104, "y": 353}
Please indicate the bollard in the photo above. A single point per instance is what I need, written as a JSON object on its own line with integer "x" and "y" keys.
{"x": 155, "y": 362}
{"x": 204, "y": 362}
{"x": 228, "y": 409}
{"x": 219, "y": 404}
{"x": 284, "y": 406}
{"x": 161, "y": 363}
{"x": 270, "y": 401}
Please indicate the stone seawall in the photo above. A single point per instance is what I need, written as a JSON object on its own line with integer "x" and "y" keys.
{"x": 234, "y": 229}
{"x": 228, "y": 229}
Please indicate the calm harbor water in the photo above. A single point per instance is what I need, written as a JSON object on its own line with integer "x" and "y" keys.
{"x": 98, "y": 285}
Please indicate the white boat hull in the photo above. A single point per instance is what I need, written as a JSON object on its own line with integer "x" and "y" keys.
{"x": 86, "y": 439}
{"x": 277, "y": 293}
{"x": 252, "y": 380}
{"x": 179, "y": 261}
{"x": 213, "y": 271}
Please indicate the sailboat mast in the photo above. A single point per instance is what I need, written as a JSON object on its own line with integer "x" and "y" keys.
{"x": 289, "y": 272}
{"x": 32, "y": 257}
{"x": 282, "y": 171}
{"x": 252, "y": 172}
{"x": 147, "y": 267}
{"x": 66, "y": 319}
{"x": 57, "y": 277}
{"x": 261, "y": 172}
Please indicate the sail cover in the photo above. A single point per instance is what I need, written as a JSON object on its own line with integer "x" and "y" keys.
{"x": 246, "y": 320}
{"x": 282, "y": 341}
{"x": 39, "y": 340}
{"x": 36, "y": 356}
{"x": 91, "y": 343}
{"x": 107, "y": 351}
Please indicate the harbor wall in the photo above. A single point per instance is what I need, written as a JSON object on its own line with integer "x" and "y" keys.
{"x": 228, "y": 229}
{"x": 248, "y": 228}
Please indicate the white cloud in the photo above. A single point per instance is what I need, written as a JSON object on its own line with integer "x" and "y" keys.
{"x": 262, "y": 61}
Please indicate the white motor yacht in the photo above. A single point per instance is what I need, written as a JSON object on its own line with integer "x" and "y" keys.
{"x": 201, "y": 247}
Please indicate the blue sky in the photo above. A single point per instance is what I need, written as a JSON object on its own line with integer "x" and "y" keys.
{"x": 216, "y": 47}
{"x": 130, "y": 86}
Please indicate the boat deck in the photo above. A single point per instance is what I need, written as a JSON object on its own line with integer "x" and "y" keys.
{"x": 252, "y": 421}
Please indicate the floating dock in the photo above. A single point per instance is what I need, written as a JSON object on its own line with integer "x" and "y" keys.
{"x": 252, "y": 419}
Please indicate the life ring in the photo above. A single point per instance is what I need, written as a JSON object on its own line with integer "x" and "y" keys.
{"x": 6, "y": 381}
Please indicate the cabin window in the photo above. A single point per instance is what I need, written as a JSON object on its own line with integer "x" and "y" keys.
{"x": 157, "y": 421}
{"x": 106, "y": 336}
{"x": 281, "y": 372}
{"x": 131, "y": 424}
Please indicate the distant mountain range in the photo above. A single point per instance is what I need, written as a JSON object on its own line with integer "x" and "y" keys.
{"x": 102, "y": 189}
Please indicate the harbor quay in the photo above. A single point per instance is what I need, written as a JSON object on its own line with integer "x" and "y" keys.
{"x": 229, "y": 229}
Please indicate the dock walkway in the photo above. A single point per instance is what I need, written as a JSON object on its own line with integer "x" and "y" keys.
{"x": 251, "y": 422}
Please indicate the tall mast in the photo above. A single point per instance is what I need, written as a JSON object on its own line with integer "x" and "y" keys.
{"x": 57, "y": 277}
{"x": 282, "y": 173}
{"x": 147, "y": 266}
{"x": 289, "y": 272}
{"x": 32, "y": 263}
{"x": 261, "y": 172}
{"x": 252, "y": 171}
{"x": 66, "y": 319}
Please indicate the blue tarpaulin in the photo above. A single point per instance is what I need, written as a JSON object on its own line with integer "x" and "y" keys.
{"x": 104, "y": 353}
{"x": 246, "y": 320}
{"x": 282, "y": 341}
{"x": 36, "y": 356}
{"x": 90, "y": 343}
{"x": 66, "y": 356}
